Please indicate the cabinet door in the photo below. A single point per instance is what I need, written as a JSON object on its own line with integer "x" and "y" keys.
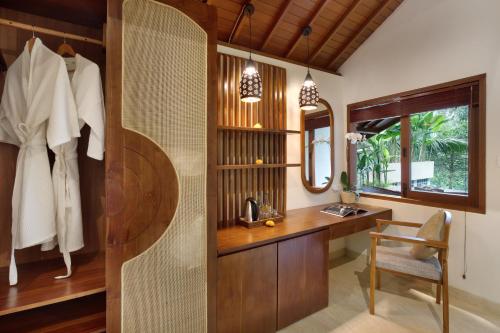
{"x": 161, "y": 182}
{"x": 302, "y": 277}
{"x": 246, "y": 291}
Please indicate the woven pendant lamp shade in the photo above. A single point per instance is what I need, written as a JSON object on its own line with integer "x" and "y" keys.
{"x": 250, "y": 84}
{"x": 309, "y": 96}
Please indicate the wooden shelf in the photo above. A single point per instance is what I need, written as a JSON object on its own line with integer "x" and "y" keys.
{"x": 256, "y": 130}
{"x": 255, "y": 166}
{"x": 37, "y": 286}
{"x": 83, "y": 315}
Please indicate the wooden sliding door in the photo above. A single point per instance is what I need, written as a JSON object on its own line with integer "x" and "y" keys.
{"x": 161, "y": 159}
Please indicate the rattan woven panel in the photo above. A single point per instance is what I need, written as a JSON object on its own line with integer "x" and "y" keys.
{"x": 164, "y": 99}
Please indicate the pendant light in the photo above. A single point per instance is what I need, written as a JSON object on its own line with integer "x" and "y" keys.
{"x": 309, "y": 96}
{"x": 250, "y": 83}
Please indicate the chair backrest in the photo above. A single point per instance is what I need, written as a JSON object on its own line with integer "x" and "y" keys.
{"x": 447, "y": 225}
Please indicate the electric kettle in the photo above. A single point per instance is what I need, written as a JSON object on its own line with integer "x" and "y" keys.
{"x": 251, "y": 210}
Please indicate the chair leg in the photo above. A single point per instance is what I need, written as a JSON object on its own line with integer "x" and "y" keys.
{"x": 379, "y": 281}
{"x": 373, "y": 271}
{"x": 446, "y": 310}
{"x": 438, "y": 294}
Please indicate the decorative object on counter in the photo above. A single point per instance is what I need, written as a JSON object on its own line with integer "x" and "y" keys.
{"x": 266, "y": 209}
{"x": 354, "y": 137}
{"x": 251, "y": 210}
{"x": 342, "y": 210}
{"x": 259, "y": 213}
{"x": 250, "y": 83}
{"x": 259, "y": 161}
{"x": 347, "y": 195}
{"x": 261, "y": 222}
{"x": 257, "y": 125}
{"x": 270, "y": 223}
{"x": 309, "y": 96}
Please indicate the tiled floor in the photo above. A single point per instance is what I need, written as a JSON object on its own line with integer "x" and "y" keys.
{"x": 402, "y": 305}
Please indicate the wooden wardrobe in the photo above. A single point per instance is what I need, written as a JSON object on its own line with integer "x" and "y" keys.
{"x": 150, "y": 208}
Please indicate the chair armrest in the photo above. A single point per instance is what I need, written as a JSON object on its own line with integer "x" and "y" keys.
{"x": 410, "y": 239}
{"x": 401, "y": 223}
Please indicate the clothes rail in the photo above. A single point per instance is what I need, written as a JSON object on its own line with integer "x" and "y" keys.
{"x": 51, "y": 32}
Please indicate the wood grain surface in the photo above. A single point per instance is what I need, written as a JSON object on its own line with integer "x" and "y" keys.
{"x": 299, "y": 222}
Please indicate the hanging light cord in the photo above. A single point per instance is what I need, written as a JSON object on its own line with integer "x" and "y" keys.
{"x": 308, "y": 53}
{"x": 250, "y": 22}
{"x": 464, "y": 276}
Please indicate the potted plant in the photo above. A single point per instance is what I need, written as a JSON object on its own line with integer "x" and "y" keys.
{"x": 347, "y": 195}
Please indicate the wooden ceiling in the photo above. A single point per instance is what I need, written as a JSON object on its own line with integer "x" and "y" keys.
{"x": 339, "y": 27}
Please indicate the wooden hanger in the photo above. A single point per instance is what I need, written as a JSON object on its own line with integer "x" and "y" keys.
{"x": 31, "y": 42}
{"x": 66, "y": 49}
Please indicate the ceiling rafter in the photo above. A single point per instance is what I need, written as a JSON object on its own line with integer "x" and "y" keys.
{"x": 335, "y": 29}
{"x": 322, "y": 4}
{"x": 237, "y": 26}
{"x": 276, "y": 22}
{"x": 358, "y": 32}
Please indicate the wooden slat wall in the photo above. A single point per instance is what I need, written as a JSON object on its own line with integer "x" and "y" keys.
{"x": 242, "y": 148}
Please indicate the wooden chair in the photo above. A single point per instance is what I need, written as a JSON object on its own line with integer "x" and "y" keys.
{"x": 400, "y": 262}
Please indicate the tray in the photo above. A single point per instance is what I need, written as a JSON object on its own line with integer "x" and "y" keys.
{"x": 258, "y": 223}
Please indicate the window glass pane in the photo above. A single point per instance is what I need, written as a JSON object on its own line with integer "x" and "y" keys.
{"x": 379, "y": 157}
{"x": 440, "y": 151}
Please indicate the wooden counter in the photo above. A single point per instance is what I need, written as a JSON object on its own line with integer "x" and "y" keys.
{"x": 298, "y": 222}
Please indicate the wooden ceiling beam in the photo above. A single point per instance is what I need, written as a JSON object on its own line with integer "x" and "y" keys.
{"x": 358, "y": 32}
{"x": 237, "y": 26}
{"x": 285, "y": 6}
{"x": 335, "y": 29}
{"x": 321, "y": 5}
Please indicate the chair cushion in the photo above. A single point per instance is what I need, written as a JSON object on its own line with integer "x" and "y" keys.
{"x": 433, "y": 229}
{"x": 400, "y": 260}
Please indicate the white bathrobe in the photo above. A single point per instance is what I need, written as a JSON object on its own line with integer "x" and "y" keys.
{"x": 87, "y": 90}
{"x": 37, "y": 109}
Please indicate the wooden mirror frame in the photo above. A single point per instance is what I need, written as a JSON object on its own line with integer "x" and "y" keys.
{"x": 306, "y": 184}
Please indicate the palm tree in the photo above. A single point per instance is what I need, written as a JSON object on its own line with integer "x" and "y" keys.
{"x": 428, "y": 138}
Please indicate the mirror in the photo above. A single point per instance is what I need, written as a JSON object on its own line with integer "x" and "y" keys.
{"x": 317, "y": 147}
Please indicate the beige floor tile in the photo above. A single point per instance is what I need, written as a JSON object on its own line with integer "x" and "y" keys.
{"x": 402, "y": 305}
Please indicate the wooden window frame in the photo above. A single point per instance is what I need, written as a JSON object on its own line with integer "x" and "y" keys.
{"x": 475, "y": 201}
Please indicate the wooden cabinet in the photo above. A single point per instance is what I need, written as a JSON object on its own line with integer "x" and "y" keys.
{"x": 266, "y": 288}
{"x": 246, "y": 291}
{"x": 302, "y": 277}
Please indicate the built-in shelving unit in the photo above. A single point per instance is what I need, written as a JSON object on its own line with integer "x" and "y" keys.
{"x": 247, "y": 133}
{"x": 37, "y": 286}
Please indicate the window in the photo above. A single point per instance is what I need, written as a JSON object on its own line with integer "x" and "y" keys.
{"x": 425, "y": 146}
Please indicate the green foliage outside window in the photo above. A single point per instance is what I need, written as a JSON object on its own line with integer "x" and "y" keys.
{"x": 438, "y": 136}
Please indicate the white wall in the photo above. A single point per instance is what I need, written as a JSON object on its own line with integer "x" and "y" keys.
{"x": 425, "y": 42}
{"x": 330, "y": 89}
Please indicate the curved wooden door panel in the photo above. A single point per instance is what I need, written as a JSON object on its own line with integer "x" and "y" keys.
{"x": 150, "y": 195}
{"x": 160, "y": 167}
